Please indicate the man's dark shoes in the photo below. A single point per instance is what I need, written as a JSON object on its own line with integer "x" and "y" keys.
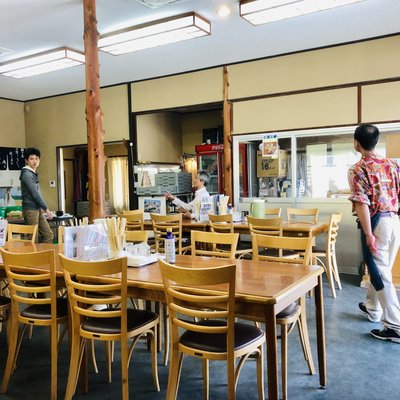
{"x": 386, "y": 334}
{"x": 364, "y": 310}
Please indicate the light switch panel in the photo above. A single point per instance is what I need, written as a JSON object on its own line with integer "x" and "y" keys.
{"x": 52, "y": 184}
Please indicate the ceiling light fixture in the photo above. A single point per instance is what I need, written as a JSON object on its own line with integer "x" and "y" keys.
{"x": 156, "y": 33}
{"x": 42, "y": 63}
{"x": 264, "y": 11}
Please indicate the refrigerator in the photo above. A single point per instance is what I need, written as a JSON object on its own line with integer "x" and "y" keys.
{"x": 210, "y": 159}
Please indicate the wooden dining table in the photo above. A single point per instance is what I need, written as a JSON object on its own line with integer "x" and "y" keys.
{"x": 289, "y": 228}
{"x": 263, "y": 289}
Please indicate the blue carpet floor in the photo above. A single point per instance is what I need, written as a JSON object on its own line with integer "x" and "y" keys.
{"x": 359, "y": 366}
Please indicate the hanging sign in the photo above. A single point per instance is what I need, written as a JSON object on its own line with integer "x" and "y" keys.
{"x": 270, "y": 146}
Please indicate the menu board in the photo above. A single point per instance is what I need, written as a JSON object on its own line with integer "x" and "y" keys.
{"x": 3, "y": 158}
{"x": 15, "y": 158}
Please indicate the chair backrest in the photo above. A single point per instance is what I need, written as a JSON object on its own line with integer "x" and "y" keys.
{"x": 265, "y": 242}
{"x": 265, "y": 226}
{"x": 17, "y": 229}
{"x": 134, "y": 219}
{"x": 221, "y": 223}
{"x": 273, "y": 212}
{"x": 28, "y": 286}
{"x": 160, "y": 225}
{"x": 214, "y": 244}
{"x": 333, "y": 229}
{"x": 82, "y": 296}
{"x": 185, "y": 307}
{"x": 136, "y": 236}
{"x": 302, "y": 215}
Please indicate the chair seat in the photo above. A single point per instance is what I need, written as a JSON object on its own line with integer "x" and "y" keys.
{"x": 244, "y": 335}
{"x": 136, "y": 319}
{"x": 289, "y": 310}
{"x": 43, "y": 311}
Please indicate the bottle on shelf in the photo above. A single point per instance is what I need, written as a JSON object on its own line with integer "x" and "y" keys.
{"x": 169, "y": 244}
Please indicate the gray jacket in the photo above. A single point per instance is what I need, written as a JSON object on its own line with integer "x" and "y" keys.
{"x": 31, "y": 197}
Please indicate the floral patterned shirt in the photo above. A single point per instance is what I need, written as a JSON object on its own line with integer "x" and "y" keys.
{"x": 375, "y": 181}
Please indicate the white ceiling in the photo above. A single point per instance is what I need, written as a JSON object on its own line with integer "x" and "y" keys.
{"x": 31, "y": 26}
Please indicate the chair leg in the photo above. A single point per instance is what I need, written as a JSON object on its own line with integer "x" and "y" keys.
{"x": 303, "y": 330}
{"x": 335, "y": 269}
{"x": 107, "y": 348}
{"x": 175, "y": 365}
{"x": 329, "y": 273}
{"x": 12, "y": 349}
{"x": 206, "y": 376}
{"x": 154, "y": 359}
{"x": 93, "y": 356}
{"x": 124, "y": 370}
{"x": 284, "y": 360}
{"x": 260, "y": 373}
{"x": 165, "y": 324}
{"x": 20, "y": 338}
{"x": 54, "y": 351}
{"x": 76, "y": 349}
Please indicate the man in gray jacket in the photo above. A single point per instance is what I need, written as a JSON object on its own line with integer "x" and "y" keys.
{"x": 32, "y": 200}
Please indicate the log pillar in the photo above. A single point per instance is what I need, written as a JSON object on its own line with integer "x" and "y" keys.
{"x": 227, "y": 121}
{"x": 94, "y": 116}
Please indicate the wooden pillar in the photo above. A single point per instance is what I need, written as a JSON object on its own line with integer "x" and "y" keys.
{"x": 94, "y": 116}
{"x": 227, "y": 120}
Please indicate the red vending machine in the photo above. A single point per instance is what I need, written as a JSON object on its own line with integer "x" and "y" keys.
{"x": 210, "y": 159}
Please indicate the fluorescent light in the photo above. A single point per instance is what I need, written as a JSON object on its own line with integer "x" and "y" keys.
{"x": 157, "y": 33}
{"x": 263, "y": 11}
{"x": 42, "y": 63}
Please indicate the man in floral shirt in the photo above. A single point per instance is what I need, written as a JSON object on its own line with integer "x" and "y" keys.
{"x": 375, "y": 187}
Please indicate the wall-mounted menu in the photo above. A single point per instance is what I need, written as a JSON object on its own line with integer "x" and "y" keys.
{"x": 15, "y": 158}
{"x": 3, "y": 158}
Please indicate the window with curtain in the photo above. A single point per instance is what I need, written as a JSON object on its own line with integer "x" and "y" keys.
{"x": 118, "y": 183}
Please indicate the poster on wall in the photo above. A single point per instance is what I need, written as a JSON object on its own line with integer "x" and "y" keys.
{"x": 270, "y": 146}
{"x": 156, "y": 205}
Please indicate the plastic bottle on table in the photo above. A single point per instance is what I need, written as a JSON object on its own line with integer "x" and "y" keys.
{"x": 169, "y": 244}
{"x": 230, "y": 209}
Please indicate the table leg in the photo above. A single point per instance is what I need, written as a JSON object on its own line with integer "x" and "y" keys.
{"x": 319, "y": 304}
{"x": 272, "y": 359}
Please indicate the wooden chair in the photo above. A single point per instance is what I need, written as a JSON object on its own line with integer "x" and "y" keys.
{"x": 302, "y": 215}
{"x": 33, "y": 302}
{"x": 134, "y": 219}
{"x": 295, "y": 312}
{"x": 110, "y": 324}
{"x": 17, "y": 229}
{"x": 265, "y": 226}
{"x": 214, "y": 244}
{"x": 216, "y": 336}
{"x": 330, "y": 266}
{"x": 136, "y": 236}
{"x": 273, "y": 212}
{"x": 224, "y": 224}
{"x": 160, "y": 225}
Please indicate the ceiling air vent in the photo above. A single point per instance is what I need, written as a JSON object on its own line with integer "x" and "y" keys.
{"x": 158, "y": 3}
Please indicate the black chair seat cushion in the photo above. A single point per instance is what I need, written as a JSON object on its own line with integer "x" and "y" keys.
{"x": 4, "y": 301}
{"x": 289, "y": 310}
{"x": 216, "y": 342}
{"x": 136, "y": 319}
{"x": 43, "y": 311}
